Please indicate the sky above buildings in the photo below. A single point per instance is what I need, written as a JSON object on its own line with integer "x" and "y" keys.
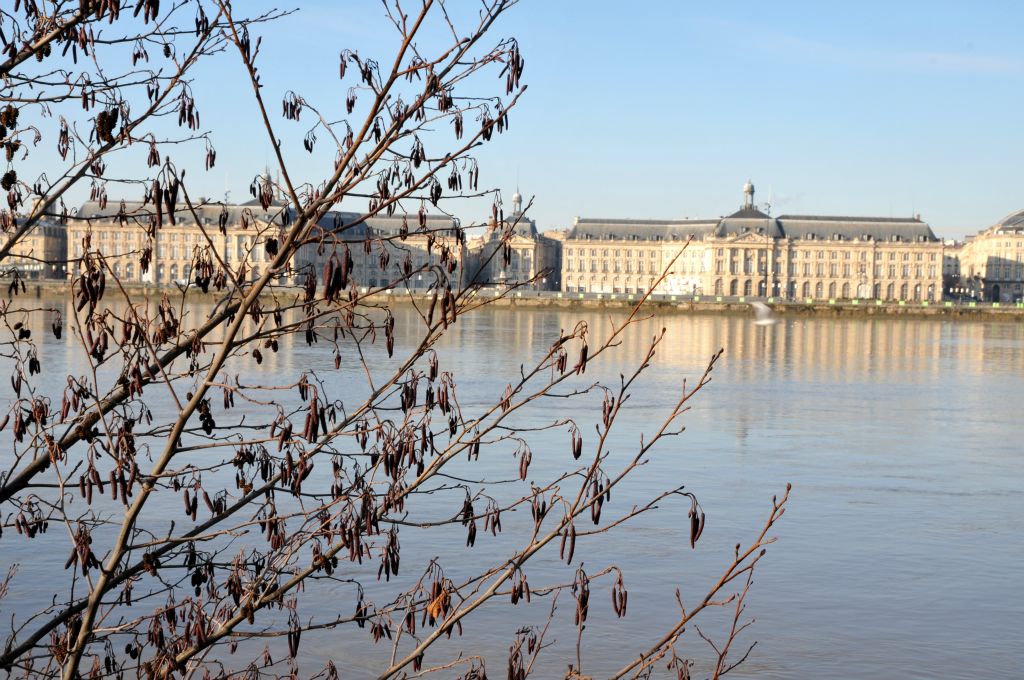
{"x": 663, "y": 109}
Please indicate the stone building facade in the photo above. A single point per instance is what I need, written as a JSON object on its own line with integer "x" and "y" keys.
{"x": 41, "y": 253}
{"x": 532, "y": 256}
{"x": 234, "y": 234}
{"x": 404, "y": 251}
{"x": 750, "y": 253}
{"x": 992, "y": 261}
{"x": 237, "y": 235}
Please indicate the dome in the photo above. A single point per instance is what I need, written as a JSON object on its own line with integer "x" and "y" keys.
{"x": 517, "y": 197}
{"x": 748, "y": 188}
{"x": 1012, "y": 222}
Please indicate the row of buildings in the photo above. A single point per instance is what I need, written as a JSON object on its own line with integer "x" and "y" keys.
{"x": 747, "y": 253}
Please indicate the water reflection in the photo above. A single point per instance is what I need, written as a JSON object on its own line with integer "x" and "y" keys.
{"x": 901, "y": 436}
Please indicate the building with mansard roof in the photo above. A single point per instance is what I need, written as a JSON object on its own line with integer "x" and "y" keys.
{"x": 237, "y": 236}
{"x": 123, "y": 231}
{"x": 412, "y": 251}
{"x": 530, "y": 258}
{"x": 992, "y": 261}
{"x": 751, "y": 253}
{"x": 40, "y": 253}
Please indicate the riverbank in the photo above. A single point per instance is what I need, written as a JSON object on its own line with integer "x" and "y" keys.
{"x": 678, "y": 304}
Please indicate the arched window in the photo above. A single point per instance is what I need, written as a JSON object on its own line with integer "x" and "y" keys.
{"x": 846, "y": 291}
{"x": 819, "y": 290}
{"x": 832, "y": 290}
{"x": 746, "y": 287}
{"x": 117, "y": 270}
{"x": 174, "y": 272}
{"x": 186, "y": 272}
{"x": 807, "y": 289}
{"x": 792, "y": 289}
{"x": 878, "y": 291}
{"x": 762, "y": 288}
{"x": 903, "y": 292}
{"x": 931, "y": 292}
{"x": 890, "y": 292}
{"x": 917, "y": 292}
{"x": 129, "y": 271}
{"x": 734, "y": 287}
{"x": 160, "y": 274}
{"x": 718, "y": 286}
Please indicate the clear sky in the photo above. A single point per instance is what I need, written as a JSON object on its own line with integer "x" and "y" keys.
{"x": 663, "y": 109}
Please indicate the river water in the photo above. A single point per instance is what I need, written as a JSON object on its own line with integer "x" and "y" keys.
{"x": 900, "y": 554}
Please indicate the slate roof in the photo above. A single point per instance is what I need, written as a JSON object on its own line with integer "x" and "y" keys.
{"x": 136, "y": 210}
{"x": 824, "y": 227}
{"x": 748, "y": 220}
{"x": 392, "y": 226}
{"x": 210, "y": 213}
{"x": 525, "y": 228}
{"x": 642, "y": 230}
{"x": 751, "y": 220}
{"x": 1013, "y": 222}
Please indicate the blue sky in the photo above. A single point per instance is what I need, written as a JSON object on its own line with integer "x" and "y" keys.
{"x": 664, "y": 109}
